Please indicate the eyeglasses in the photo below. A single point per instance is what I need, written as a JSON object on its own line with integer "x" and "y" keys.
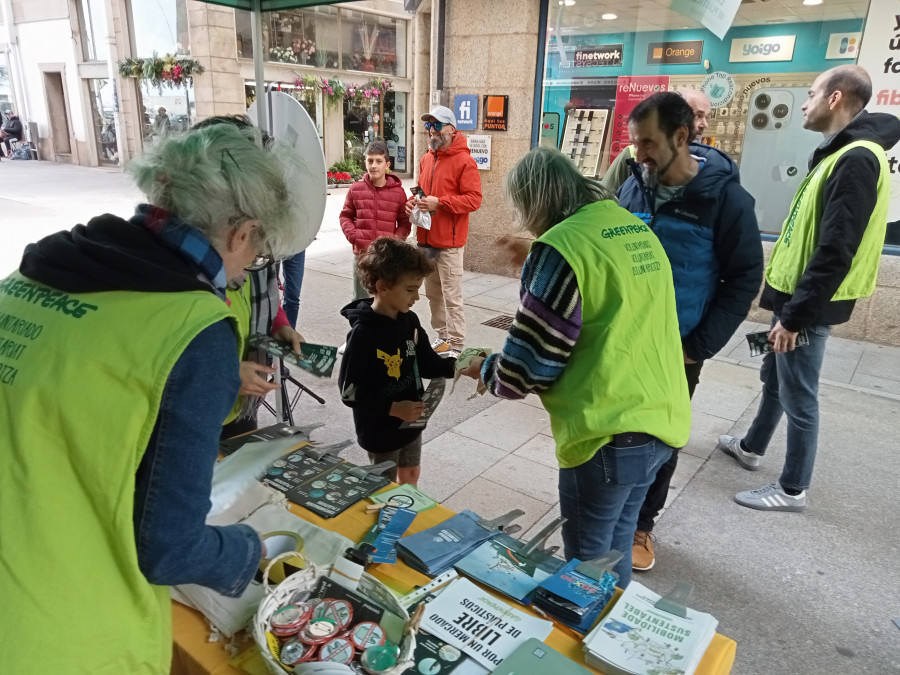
{"x": 437, "y": 126}
{"x": 261, "y": 261}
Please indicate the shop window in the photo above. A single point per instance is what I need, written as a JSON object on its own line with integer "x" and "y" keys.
{"x": 307, "y": 37}
{"x": 169, "y": 110}
{"x": 368, "y": 120}
{"x": 159, "y": 26}
{"x": 92, "y": 19}
{"x": 600, "y": 62}
{"x": 373, "y": 43}
{"x": 103, "y": 106}
{"x": 310, "y": 99}
{"x": 6, "y": 93}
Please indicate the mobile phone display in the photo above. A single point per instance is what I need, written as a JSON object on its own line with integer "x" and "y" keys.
{"x": 775, "y": 152}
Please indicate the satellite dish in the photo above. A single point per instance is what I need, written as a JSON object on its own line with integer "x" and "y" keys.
{"x": 290, "y": 123}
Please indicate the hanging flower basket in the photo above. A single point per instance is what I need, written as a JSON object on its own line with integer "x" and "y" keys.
{"x": 331, "y": 87}
{"x": 369, "y": 92}
{"x": 169, "y": 70}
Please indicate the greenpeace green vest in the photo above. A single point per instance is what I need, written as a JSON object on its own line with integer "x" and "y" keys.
{"x": 626, "y": 372}
{"x": 800, "y": 233}
{"x": 81, "y": 379}
{"x": 239, "y": 303}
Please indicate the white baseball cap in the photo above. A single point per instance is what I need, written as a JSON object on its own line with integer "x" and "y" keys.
{"x": 440, "y": 113}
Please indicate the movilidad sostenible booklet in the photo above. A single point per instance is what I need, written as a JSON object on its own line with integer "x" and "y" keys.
{"x": 637, "y": 638}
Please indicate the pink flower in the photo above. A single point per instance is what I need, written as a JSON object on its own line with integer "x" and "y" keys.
{"x": 325, "y": 81}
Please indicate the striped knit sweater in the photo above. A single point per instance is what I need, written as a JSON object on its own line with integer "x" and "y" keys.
{"x": 544, "y": 331}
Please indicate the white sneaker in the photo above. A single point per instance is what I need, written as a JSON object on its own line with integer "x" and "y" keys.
{"x": 342, "y": 348}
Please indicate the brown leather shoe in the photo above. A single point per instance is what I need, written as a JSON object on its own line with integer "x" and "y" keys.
{"x": 642, "y": 556}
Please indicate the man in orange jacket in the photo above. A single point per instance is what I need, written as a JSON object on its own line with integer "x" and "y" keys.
{"x": 449, "y": 178}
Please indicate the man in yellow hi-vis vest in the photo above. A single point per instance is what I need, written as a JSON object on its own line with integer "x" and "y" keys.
{"x": 826, "y": 257}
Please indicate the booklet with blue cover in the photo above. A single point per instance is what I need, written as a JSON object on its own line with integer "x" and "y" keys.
{"x": 573, "y": 598}
{"x": 505, "y": 564}
{"x": 436, "y": 549}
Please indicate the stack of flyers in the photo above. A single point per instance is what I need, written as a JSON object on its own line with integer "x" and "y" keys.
{"x": 436, "y": 549}
{"x": 573, "y": 598}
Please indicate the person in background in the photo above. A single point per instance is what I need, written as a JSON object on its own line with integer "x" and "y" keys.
{"x": 112, "y": 406}
{"x": 11, "y": 130}
{"x": 387, "y": 355}
{"x": 825, "y": 259}
{"x": 449, "y": 178}
{"x": 374, "y": 207}
{"x": 690, "y": 195}
{"x": 161, "y": 124}
{"x": 620, "y": 169}
{"x": 292, "y": 270}
{"x": 596, "y": 337}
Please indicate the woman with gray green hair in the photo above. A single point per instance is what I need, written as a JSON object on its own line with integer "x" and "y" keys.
{"x": 129, "y": 366}
{"x": 596, "y": 337}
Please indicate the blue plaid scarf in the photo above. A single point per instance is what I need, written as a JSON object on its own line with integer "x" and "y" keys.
{"x": 186, "y": 240}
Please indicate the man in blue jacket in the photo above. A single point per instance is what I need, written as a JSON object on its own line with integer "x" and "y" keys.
{"x": 690, "y": 194}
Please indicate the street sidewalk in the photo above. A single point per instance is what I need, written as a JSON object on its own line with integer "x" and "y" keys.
{"x": 814, "y": 592}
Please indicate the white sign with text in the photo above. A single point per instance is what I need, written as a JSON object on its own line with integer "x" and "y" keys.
{"x": 480, "y": 147}
{"x": 770, "y": 48}
{"x": 879, "y": 56}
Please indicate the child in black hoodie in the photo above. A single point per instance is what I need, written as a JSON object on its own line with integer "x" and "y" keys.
{"x": 387, "y": 355}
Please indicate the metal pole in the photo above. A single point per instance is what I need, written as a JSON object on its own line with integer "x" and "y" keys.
{"x": 262, "y": 103}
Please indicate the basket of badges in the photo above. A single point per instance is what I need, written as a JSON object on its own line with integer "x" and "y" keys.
{"x": 310, "y": 617}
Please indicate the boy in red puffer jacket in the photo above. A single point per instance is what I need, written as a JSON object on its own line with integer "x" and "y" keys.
{"x": 375, "y": 207}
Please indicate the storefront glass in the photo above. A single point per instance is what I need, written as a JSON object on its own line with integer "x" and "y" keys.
{"x": 92, "y": 17}
{"x": 6, "y": 92}
{"x": 167, "y": 110}
{"x": 103, "y": 106}
{"x": 600, "y": 62}
{"x": 383, "y": 118}
{"x": 160, "y": 26}
{"x": 373, "y": 43}
{"x": 327, "y": 37}
{"x": 310, "y": 99}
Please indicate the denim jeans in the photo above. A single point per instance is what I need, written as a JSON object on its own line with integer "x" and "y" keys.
{"x": 292, "y": 268}
{"x": 791, "y": 385}
{"x": 601, "y": 499}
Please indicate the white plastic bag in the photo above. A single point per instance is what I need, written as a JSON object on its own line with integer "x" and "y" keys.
{"x": 420, "y": 218}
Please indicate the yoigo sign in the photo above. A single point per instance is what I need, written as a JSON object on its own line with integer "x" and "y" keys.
{"x": 771, "y": 48}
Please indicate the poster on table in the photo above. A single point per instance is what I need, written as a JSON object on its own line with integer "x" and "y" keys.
{"x": 631, "y": 90}
{"x": 881, "y": 59}
{"x": 480, "y": 625}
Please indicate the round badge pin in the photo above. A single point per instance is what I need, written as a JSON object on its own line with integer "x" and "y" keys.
{"x": 367, "y": 634}
{"x": 338, "y": 650}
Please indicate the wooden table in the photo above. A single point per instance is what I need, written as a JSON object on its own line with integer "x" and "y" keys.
{"x": 193, "y": 654}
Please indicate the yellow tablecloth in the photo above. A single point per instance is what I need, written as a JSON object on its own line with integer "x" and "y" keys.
{"x": 193, "y": 654}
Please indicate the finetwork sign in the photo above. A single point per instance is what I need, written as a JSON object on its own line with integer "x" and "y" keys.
{"x": 599, "y": 55}
{"x": 465, "y": 107}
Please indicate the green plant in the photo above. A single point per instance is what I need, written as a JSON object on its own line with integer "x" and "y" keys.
{"x": 169, "y": 70}
{"x": 347, "y": 165}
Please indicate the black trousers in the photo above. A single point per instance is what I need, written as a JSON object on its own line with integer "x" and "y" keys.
{"x": 659, "y": 490}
